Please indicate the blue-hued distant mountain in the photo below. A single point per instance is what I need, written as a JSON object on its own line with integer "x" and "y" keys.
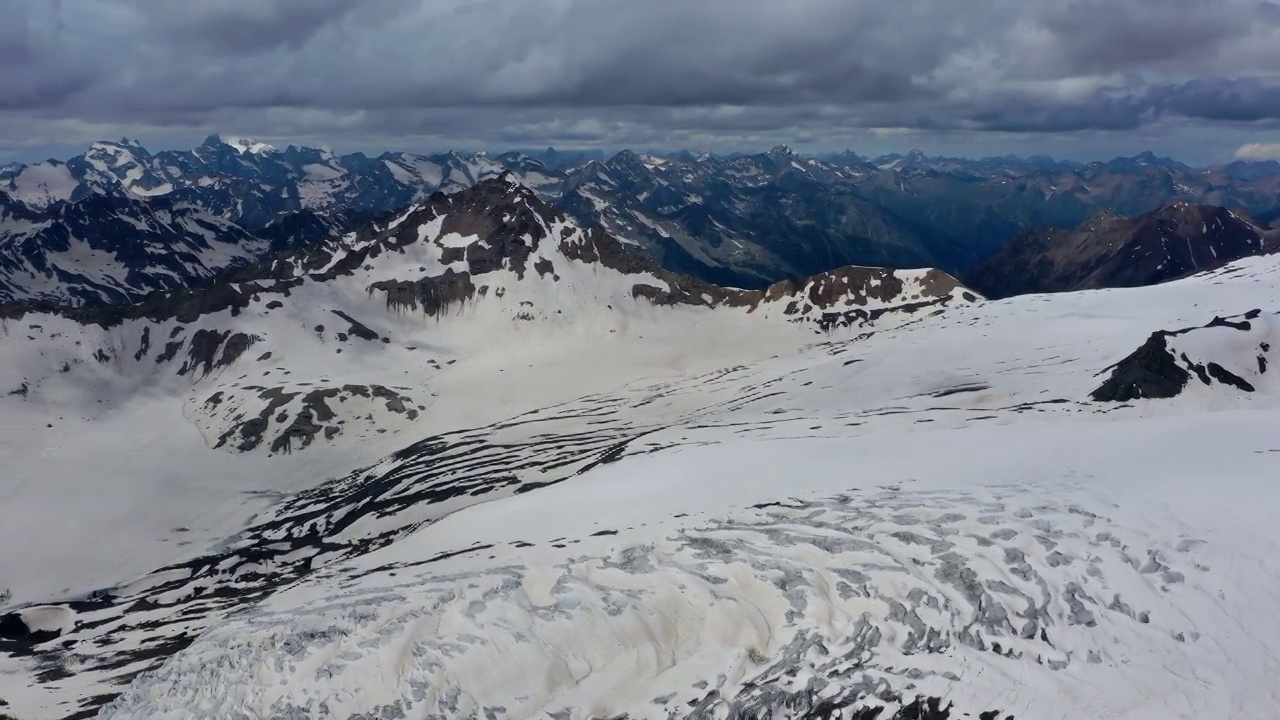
{"x": 745, "y": 219}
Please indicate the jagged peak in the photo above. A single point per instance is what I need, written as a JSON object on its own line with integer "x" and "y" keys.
{"x": 626, "y": 154}
{"x": 506, "y": 182}
{"x": 249, "y": 146}
{"x": 1187, "y": 206}
{"x": 1148, "y": 157}
{"x": 627, "y": 159}
{"x": 241, "y": 145}
{"x": 123, "y": 146}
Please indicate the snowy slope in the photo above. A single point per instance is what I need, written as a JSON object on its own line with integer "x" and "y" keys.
{"x": 42, "y": 184}
{"x": 625, "y": 492}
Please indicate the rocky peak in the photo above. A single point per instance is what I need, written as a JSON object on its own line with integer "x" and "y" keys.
{"x": 629, "y": 164}
{"x": 499, "y": 193}
{"x": 1193, "y": 220}
{"x": 625, "y": 157}
{"x": 781, "y": 154}
{"x": 848, "y": 157}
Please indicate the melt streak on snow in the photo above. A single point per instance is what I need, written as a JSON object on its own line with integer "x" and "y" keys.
{"x": 605, "y": 507}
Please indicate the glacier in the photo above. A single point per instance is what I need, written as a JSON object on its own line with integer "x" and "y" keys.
{"x": 606, "y": 506}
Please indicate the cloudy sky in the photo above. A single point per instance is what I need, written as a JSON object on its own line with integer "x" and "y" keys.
{"x": 1195, "y": 79}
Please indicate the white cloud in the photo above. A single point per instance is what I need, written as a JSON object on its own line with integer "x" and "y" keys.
{"x": 1258, "y": 151}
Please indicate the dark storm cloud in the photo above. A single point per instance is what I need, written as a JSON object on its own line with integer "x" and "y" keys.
{"x": 585, "y": 53}
{"x": 617, "y": 71}
{"x": 1106, "y": 35}
{"x": 1242, "y": 100}
{"x": 1268, "y": 12}
{"x": 234, "y": 27}
{"x": 36, "y": 74}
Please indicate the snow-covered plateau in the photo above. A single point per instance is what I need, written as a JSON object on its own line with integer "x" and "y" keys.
{"x": 475, "y": 462}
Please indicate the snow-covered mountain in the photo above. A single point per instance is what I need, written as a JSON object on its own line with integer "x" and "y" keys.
{"x": 119, "y": 222}
{"x": 252, "y": 183}
{"x": 111, "y": 249}
{"x": 479, "y": 461}
{"x": 745, "y": 220}
{"x": 103, "y": 249}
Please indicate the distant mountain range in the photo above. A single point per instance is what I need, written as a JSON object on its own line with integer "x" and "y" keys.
{"x": 745, "y": 220}
{"x": 113, "y": 248}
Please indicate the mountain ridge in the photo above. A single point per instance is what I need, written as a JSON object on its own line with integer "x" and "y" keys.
{"x": 1111, "y": 250}
{"x": 103, "y": 249}
{"x": 742, "y": 219}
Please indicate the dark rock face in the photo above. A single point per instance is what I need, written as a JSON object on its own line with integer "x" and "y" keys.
{"x": 202, "y": 353}
{"x": 1150, "y": 372}
{"x": 1158, "y": 371}
{"x": 434, "y": 295}
{"x": 16, "y": 636}
{"x": 144, "y": 345}
{"x": 1226, "y": 377}
{"x": 235, "y": 346}
{"x": 357, "y": 329}
{"x": 544, "y": 267}
{"x": 1114, "y": 251}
